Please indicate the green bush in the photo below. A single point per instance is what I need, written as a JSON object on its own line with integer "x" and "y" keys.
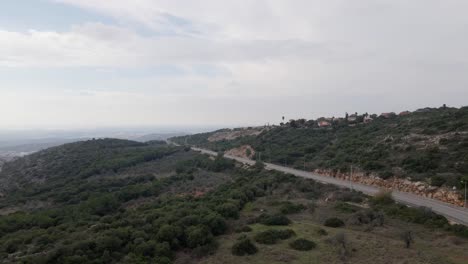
{"x": 243, "y": 229}
{"x": 302, "y": 244}
{"x": 271, "y": 220}
{"x": 270, "y": 236}
{"x": 198, "y": 236}
{"x": 244, "y": 247}
{"x": 322, "y": 232}
{"x": 459, "y": 230}
{"x": 437, "y": 180}
{"x": 334, "y": 222}
{"x": 291, "y": 208}
{"x": 346, "y": 208}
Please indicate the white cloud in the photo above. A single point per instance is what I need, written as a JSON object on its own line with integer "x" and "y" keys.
{"x": 291, "y": 56}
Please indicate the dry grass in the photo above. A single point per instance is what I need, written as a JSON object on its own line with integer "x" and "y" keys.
{"x": 381, "y": 245}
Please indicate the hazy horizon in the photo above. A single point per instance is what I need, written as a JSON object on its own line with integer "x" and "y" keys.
{"x": 93, "y": 64}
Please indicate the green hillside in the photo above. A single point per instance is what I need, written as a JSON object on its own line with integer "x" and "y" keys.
{"x": 431, "y": 143}
{"x": 154, "y": 203}
{"x": 78, "y": 161}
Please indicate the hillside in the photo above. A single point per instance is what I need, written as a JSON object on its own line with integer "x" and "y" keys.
{"x": 77, "y": 160}
{"x": 153, "y": 203}
{"x": 429, "y": 145}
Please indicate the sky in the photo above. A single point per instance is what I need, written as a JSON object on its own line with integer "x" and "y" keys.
{"x": 68, "y": 64}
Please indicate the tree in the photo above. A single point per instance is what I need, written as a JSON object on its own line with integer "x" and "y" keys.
{"x": 216, "y": 223}
{"x": 167, "y": 233}
{"x": 198, "y": 236}
{"x": 259, "y": 166}
{"x": 228, "y": 210}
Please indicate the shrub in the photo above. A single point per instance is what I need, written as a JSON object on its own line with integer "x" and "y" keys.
{"x": 270, "y": 220}
{"x": 459, "y": 230}
{"x": 205, "y": 250}
{"x": 437, "y": 180}
{"x": 198, "y": 236}
{"x": 302, "y": 244}
{"x": 346, "y": 208}
{"x": 386, "y": 174}
{"x": 322, "y": 232}
{"x": 244, "y": 229}
{"x": 349, "y": 196}
{"x": 216, "y": 223}
{"x": 228, "y": 210}
{"x": 244, "y": 247}
{"x": 334, "y": 222}
{"x": 291, "y": 208}
{"x": 270, "y": 237}
{"x": 374, "y": 218}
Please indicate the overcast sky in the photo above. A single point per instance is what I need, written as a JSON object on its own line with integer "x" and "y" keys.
{"x": 100, "y": 63}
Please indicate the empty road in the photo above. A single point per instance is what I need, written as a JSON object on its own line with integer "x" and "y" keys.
{"x": 451, "y": 212}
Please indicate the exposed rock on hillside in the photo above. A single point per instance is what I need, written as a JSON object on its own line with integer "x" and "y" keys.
{"x": 403, "y": 185}
{"x": 245, "y": 151}
{"x": 233, "y": 134}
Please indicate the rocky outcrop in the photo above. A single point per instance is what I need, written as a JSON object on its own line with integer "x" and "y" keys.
{"x": 244, "y": 151}
{"x": 236, "y": 133}
{"x": 402, "y": 185}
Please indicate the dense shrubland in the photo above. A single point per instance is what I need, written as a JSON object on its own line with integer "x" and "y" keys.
{"x": 134, "y": 219}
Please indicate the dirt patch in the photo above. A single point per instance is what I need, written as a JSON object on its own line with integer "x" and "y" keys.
{"x": 236, "y": 133}
{"x": 425, "y": 141}
{"x": 245, "y": 151}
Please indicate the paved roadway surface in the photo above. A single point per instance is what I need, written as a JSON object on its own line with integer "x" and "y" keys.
{"x": 452, "y": 212}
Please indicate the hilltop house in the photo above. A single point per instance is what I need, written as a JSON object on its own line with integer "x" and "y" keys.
{"x": 368, "y": 119}
{"x": 323, "y": 123}
{"x": 352, "y": 118}
{"x": 388, "y": 115}
{"x": 404, "y": 113}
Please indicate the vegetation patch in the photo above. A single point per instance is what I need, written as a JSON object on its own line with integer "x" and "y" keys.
{"x": 244, "y": 247}
{"x": 273, "y": 220}
{"x": 291, "y": 208}
{"x": 346, "y": 208}
{"x": 243, "y": 229}
{"x": 270, "y": 236}
{"x": 302, "y": 244}
{"x": 334, "y": 222}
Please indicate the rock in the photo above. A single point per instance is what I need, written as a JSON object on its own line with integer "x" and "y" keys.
{"x": 403, "y": 185}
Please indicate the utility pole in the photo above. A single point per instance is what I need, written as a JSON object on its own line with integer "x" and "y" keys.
{"x": 351, "y": 178}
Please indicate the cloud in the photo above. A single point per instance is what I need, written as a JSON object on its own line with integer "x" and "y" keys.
{"x": 300, "y": 57}
{"x": 99, "y": 45}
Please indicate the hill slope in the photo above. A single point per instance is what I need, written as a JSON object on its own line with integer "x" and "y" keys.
{"x": 423, "y": 145}
{"x": 78, "y": 160}
{"x": 183, "y": 207}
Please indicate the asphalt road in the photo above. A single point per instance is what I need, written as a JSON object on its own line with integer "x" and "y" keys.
{"x": 451, "y": 212}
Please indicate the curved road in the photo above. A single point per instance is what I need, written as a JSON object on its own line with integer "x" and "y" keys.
{"x": 451, "y": 212}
